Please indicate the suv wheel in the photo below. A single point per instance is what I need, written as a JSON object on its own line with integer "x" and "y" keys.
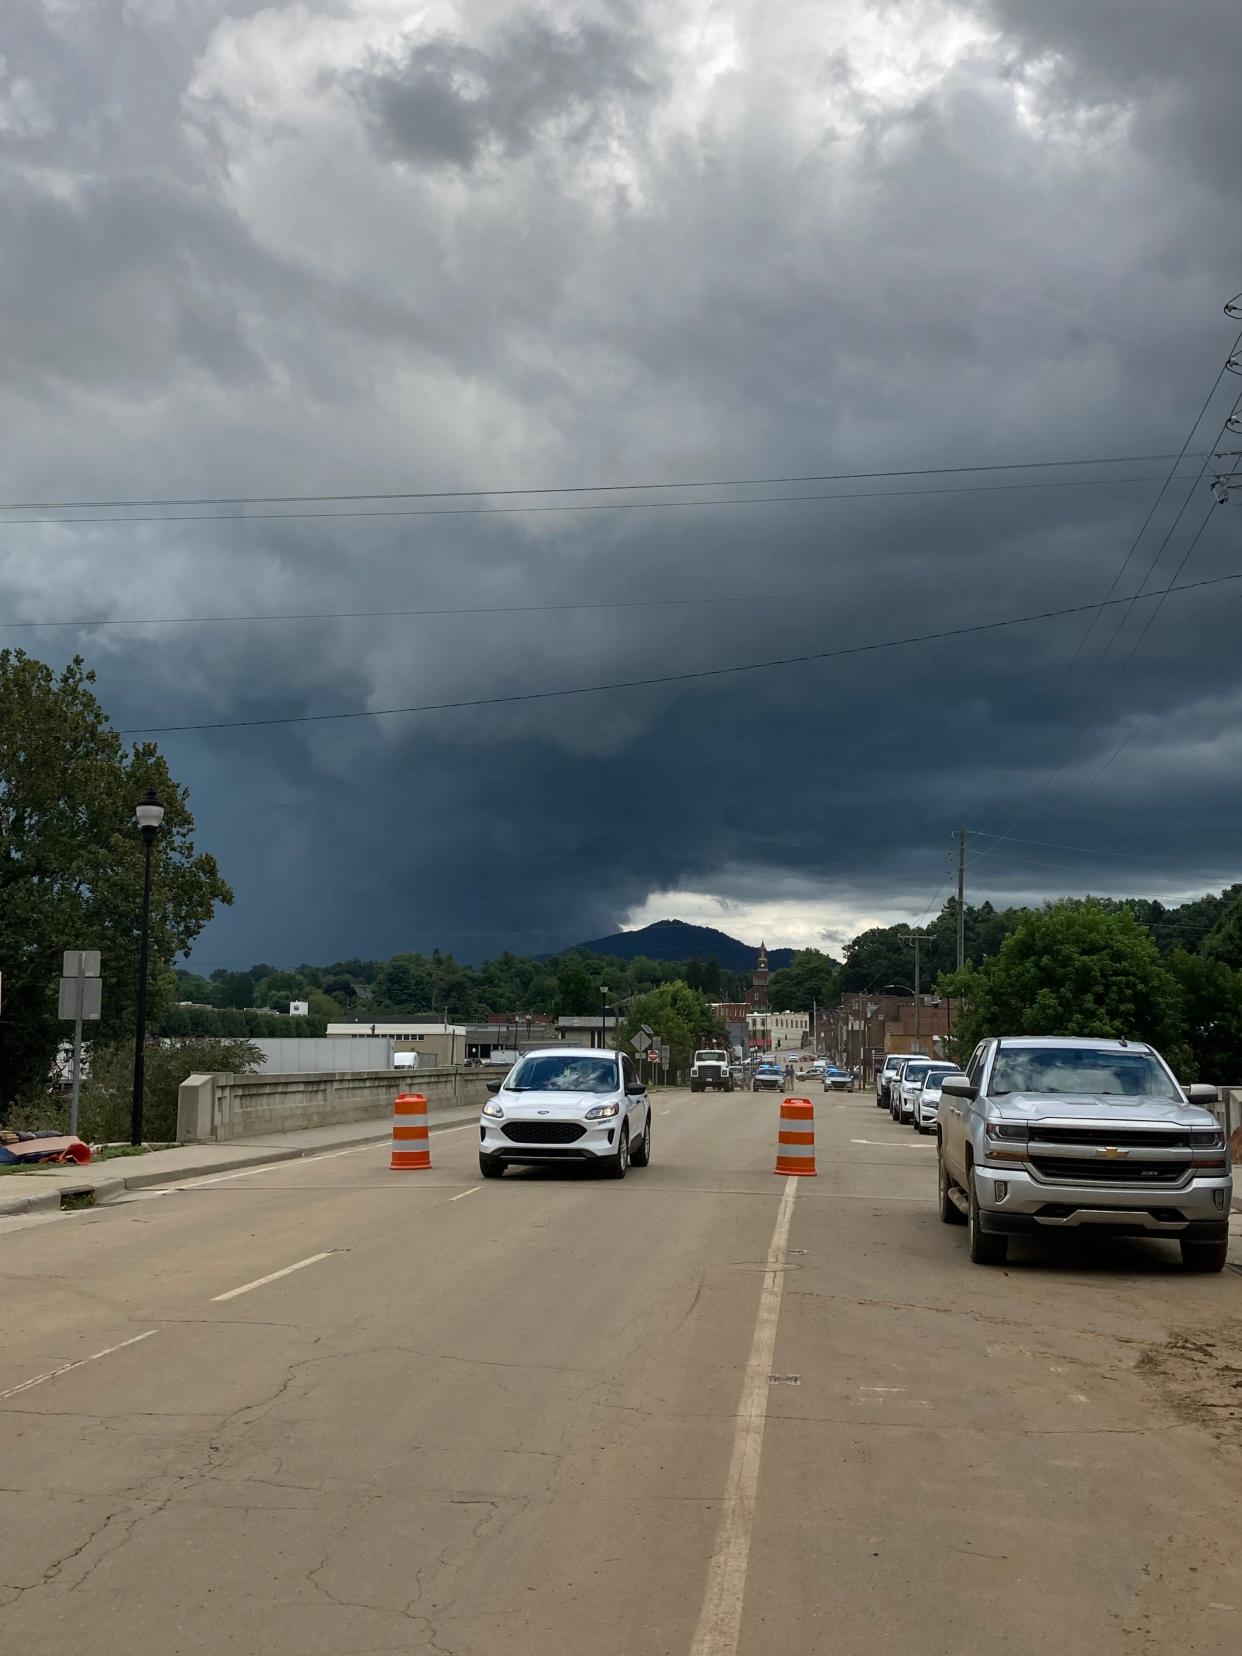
{"x": 640, "y": 1156}
{"x": 491, "y": 1167}
{"x": 984, "y": 1248}
{"x": 950, "y": 1213}
{"x": 1205, "y": 1256}
{"x": 616, "y": 1167}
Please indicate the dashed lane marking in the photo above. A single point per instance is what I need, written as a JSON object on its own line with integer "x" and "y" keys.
{"x": 720, "y": 1619}
{"x": 272, "y": 1276}
{"x": 51, "y": 1374}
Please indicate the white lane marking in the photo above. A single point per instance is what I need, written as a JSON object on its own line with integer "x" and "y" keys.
{"x": 303, "y": 1161}
{"x": 80, "y": 1363}
{"x": 666, "y": 1112}
{"x": 465, "y": 1193}
{"x": 720, "y": 1619}
{"x": 891, "y": 1144}
{"x": 271, "y": 1277}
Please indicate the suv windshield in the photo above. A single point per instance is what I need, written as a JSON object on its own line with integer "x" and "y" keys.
{"x": 1079, "y": 1070}
{"x": 553, "y": 1073}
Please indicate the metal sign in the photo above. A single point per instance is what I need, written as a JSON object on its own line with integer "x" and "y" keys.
{"x": 639, "y": 1041}
{"x": 664, "y": 1054}
{"x": 653, "y": 1056}
{"x": 80, "y": 997}
{"x": 646, "y": 1029}
{"x": 81, "y": 963}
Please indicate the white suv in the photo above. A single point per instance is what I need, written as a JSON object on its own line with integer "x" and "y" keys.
{"x": 567, "y": 1104}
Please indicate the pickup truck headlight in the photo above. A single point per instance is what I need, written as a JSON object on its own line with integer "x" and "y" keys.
{"x": 603, "y": 1112}
{"x": 1208, "y": 1148}
{"x": 1006, "y": 1141}
{"x": 492, "y": 1109}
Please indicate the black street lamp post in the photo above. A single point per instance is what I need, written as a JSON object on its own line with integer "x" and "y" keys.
{"x": 149, "y": 813}
{"x": 603, "y": 1015}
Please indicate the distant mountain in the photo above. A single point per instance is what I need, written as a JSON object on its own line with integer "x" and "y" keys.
{"x": 675, "y": 940}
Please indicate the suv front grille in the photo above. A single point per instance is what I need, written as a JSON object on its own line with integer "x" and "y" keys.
{"x": 543, "y": 1132}
{"x": 1101, "y": 1170}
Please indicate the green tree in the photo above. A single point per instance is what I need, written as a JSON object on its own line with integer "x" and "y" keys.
{"x": 1212, "y": 1014}
{"x": 191, "y": 987}
{"x": 577, "y": 987}
{"x": 323, "y": 1009}
{"x": 71, "y": 862}
{"x": 107, "y": 1096}
{"x": 679, "y": 1015}
{"x": 232, "y": 989}
{"x": 1071, "y": 968}
{"x": 811, "y": 978}
{"x": 1224, "y": 941}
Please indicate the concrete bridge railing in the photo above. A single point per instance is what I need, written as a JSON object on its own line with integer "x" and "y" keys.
{"x": 216, "y": 1108}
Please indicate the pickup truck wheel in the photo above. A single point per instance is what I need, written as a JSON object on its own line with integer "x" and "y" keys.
{"x": 984, "y": 1249}
{"x": 950, "y": 1213}
{"x": 1204, "y": 1256}
{"x": 695, "y": 1086}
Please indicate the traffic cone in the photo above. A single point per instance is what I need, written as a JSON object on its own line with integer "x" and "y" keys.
{"x": 795, "y": 1142}
{"x": 411, "y": 1138}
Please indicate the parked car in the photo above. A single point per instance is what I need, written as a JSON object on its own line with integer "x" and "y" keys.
{"x": 767, "y": 1076}
{"x": 837, "y": 1080}
{"x": 907, "y": 1084}
{"x": 567, "y": 1104}
{"x": 925, "y": 1113}
{"x": 1051, "y": 1133}
{"x": 884, "y": 1077}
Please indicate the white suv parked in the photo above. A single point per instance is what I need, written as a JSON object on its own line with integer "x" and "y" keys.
{"x": 578, "y": 1104}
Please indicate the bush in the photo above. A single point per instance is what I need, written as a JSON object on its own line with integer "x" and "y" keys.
{"x": 104, "y": 1116}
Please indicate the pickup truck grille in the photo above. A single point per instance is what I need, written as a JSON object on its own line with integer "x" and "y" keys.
{"x": 1103, "y": 1170}
{"x": 1130, "y": 1138}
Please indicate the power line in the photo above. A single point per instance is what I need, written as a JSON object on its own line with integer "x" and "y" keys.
{"x": 581, "y": 506}
{"x": 570, "y": 488}
{"x": 1055, "y": 845}
{"x": 655, "y": 679}
{"x": 464, "y": 609}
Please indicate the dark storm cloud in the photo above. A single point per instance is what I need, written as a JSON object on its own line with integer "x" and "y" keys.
{"x": 317, "y": 252}
{"x": 441, "y": 101}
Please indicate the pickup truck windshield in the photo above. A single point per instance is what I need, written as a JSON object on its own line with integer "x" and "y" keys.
{"x": 711, "y": 1057}
{"x": 1078, "y": 1070}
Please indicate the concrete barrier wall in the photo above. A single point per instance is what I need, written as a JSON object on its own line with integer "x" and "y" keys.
{"x": 215, "y": 1108}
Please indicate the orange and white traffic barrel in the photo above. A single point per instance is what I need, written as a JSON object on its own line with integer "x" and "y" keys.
{"x": 411, "y": 1136}
{"x": 795, "y": 1142}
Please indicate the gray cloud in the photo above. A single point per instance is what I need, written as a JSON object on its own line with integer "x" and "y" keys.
{"x": 292, "y": 249}
{"x": 441, "y": 101}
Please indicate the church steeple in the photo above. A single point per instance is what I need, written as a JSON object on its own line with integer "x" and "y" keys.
{"x": 759, "y": 982}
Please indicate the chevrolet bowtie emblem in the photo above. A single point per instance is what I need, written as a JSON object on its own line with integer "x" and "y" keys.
{"x": 1112, "y": 1150}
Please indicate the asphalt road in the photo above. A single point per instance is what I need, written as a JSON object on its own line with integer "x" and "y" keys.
{"x": 703, "y": 1411}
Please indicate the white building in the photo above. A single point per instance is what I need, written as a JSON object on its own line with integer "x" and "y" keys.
{"x": 778, "y": 1031}
{"x": 438, "y": 1042}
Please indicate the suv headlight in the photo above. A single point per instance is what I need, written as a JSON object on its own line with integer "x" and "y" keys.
{"x": 603, "y": 1112}
{"x": 492, "y": 1109}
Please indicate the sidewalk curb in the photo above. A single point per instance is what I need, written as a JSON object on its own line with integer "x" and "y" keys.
{"x": 107, "y": 1186}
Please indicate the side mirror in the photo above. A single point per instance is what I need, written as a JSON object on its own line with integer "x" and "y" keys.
{"x": 959, "y": 1086}
{"x": 635, "y": 1089}
{"x": 1201, "y": 1092}
{"x": 494, "y": 1086}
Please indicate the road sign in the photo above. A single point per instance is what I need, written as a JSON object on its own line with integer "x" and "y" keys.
{"x": 81, "y": 963}
{"x": 639, "y": 1041}
{"x": 664, "y": 1054}
{"x": 80, "y": 998}
{"x": 653, "y": 1056}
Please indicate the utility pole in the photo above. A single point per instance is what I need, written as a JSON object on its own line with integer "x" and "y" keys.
{"x": 917, "y": 938}
{"x": 961, "y": 898}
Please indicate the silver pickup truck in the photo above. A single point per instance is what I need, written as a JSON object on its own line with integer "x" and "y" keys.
{"x": 1046, "y": 1133}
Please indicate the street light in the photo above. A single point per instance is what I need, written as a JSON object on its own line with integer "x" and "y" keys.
{"x": 603, "y": 1015}
{"x": 148, "y": 813}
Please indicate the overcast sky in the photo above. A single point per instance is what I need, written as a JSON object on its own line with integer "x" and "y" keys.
{"x": 368, "y": 247}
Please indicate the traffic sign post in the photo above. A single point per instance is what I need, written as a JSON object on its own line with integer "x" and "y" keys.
{"x": 81, "y": 998}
